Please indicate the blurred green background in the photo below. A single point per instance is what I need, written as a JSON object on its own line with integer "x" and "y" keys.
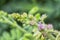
{"x": 49, "y": 7}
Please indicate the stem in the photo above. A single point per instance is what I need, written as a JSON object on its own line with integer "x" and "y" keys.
{"x": 57, "y": 36}
{"x": 21, "y": 29}
{"x": 14, "y": 24}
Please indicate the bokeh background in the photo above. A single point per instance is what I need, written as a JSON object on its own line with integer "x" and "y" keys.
{"x": 49, "y": 7}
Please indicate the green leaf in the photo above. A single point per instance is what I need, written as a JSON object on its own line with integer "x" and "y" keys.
{"x": 13, "y": 34}
{"x": 18, "y": 34}
{"x": 50, "y": 36}
{"x": 28, "y": 36}
{"x": 42, "y": 38}
{"x": 6, "y": 36}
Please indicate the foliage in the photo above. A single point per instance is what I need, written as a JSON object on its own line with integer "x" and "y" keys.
{"x": 50, "y": 7}
{"x": 25, "y": 26}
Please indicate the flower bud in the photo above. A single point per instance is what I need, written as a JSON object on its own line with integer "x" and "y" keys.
{"x": 41, "y": 26}
{"x": 32, "y": 22}
{"x": 49, "y": 26}
{"x": 43, "y": 17}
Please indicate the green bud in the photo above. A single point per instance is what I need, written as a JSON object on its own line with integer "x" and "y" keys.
{"x": 43, "y": 17}
{"x": 37, "y": 16}
{"x": 25, "y": 14}
{"x": 30, "y": 16}
{"x": 33, "y": 10}
{"x": 27, "y": 22}
{"x": 3, "y": 13}
{"x": 22, "y": 16}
